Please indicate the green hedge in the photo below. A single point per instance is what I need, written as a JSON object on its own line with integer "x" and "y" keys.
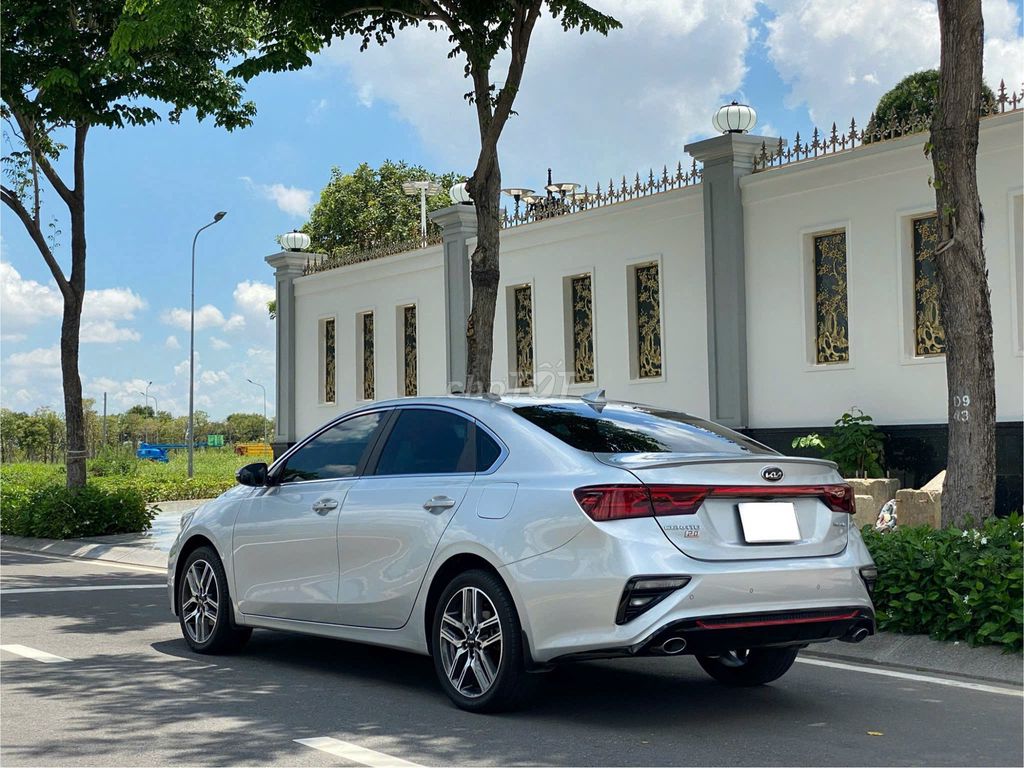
{"x": 952, "y": 584}
{"x": 53, "y": 512}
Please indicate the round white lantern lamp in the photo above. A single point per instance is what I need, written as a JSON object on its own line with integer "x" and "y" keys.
{"x": 295, "y": 241}
{"x": 459, "y": 195}
{"x": 734, "y": 118}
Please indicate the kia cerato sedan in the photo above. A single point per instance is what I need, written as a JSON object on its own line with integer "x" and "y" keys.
{"x": 504, "y": 536}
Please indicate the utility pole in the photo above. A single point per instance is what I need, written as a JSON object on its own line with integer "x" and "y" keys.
{"x": 104, "y": 419}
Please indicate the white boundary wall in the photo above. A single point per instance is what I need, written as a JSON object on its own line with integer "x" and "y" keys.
{"x": 871, "y": 192}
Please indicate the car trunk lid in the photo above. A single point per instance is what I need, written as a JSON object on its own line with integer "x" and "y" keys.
{"x": 710, "y": 489}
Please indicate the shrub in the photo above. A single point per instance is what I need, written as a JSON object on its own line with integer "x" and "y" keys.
{"x": 54, "y": 512}
{"x": 854, "y": 443}
{"x": 952, "y": 584}
{"x": 114, "y": 461}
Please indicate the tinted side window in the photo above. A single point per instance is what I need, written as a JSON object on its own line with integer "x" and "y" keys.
{"x": 487, "y": 451}
{"x": 334, "y": 453}
{"x": 628, "y": 428}
{"x": 428, "y": 442}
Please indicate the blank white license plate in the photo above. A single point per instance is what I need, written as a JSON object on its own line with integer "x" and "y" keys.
{"x": 769, "y": 522}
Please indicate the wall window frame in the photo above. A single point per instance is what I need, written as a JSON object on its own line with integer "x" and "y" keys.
{"x": 364, "y": 369}
{"x": 404, "y": 354}
{"x": 515, "y": 325}
{"x": 568, "y": 324}
{"x": 808, "y": 276}
{"x": 906, "y": 275}
{"x": 634, "y": 331}
{"x": 327, "y": 360}
{"x": 1015, "y": 215}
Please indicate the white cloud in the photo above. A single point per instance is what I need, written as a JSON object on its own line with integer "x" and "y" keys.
{"x": 106, "y": 332}
{"x": 838, "y": 58}
{"x": 292, "y": 200}
{"x": 172, "y": 342}
{"x": 24, "y": 303}
{"x": 590, "y": 106}
{"x": 251, "y": 298}
{"x": 214, "y": 377}
{"x": 234, "y": 323}
{"x": 33, "y": 369}
{"x": 219, "y": 343}
{"x": 207, "y": 316}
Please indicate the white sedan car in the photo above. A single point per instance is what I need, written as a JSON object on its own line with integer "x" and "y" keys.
{"x": 504, "y": 536}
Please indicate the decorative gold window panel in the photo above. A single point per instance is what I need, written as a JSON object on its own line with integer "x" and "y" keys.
{"x": 409, "y": 349}
{"x": 368, "y": 356}
{"x": 832, "y": 342}
{"x": 648, "y": 321}
{"x": 523, "y": 304}
{"x": 582, "y": 329}
{"x": 929, "y": 337}
{"x": 328, "y": 352}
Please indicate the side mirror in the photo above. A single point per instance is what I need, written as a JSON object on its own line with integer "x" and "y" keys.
{"x": 253, "y": 474}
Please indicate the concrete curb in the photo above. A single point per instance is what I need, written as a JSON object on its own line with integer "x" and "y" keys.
{"x": 919, "y": 653}
{"x": 87, "y": 550}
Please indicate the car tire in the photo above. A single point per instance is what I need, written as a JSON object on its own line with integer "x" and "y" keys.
{"x": 205, "y": 612}
{"x": 756, "y": 666}
{"x": 463, "y": 645}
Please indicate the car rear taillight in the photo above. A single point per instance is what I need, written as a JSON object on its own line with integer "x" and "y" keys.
{"x": 614, "y": 502}
{"x": 617, "y": 502}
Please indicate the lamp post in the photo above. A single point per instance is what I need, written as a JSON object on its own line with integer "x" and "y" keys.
{"x": 543, "y": 206}
{"x": 192, "y": 344}
{"x": 146, "y": 395}
{"x": 264, "y": 406}
{"x": 422, "y": 188}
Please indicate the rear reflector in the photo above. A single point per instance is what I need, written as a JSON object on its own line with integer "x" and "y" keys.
{"x": 618, "y": 502}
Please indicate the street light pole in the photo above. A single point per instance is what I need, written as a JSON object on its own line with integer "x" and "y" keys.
{"x": 146, "y": 395}
{"x": 264, "y": 407}
{"x": 192, "y": 344}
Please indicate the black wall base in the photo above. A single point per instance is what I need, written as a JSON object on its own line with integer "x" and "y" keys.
{"x": 915, "y": 453}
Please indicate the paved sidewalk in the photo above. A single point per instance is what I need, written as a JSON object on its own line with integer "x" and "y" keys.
{"x": 911, "y": 653}
{"x": 148, "y": 549}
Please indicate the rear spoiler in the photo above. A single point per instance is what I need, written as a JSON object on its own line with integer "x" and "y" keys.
{"x": 630, "y": 461}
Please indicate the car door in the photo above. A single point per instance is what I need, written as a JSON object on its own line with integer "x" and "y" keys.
{"x": 394, "y": 515}
{"x": 285, "y": 549}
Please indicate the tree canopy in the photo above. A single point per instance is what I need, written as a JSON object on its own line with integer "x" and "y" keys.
{"x": 912, "y": 97}
{"x": 368, "y": 207}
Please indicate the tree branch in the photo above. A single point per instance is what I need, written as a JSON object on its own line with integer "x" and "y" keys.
{"x": 36, "y": 233}
{"x": 28, "y": 134}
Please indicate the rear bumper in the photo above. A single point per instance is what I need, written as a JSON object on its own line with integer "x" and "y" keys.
{"x": 713, "y": 635}
{"x": 568, "y": 598}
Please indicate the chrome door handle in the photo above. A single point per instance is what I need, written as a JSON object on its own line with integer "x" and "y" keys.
{"x": 323, "y": 506}
{"x": 438, "y": 503}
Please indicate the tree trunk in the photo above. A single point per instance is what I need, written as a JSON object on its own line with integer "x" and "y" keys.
{"x": 484, "y": 275}
{"x": 968, "y": 494}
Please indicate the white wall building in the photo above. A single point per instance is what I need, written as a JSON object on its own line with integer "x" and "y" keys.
{"x": 770, "y": 300}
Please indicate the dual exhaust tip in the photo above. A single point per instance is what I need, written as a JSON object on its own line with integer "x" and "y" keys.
{"x": 855, "y": 635}
{"x": 673, "y": 645}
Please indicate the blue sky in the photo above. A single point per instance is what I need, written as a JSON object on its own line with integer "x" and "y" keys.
{"x": 590, "y": 107}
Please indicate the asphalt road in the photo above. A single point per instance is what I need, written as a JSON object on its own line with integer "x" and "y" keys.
{"x": 128, "y": 692}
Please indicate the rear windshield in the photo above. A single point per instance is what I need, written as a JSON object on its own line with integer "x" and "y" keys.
{"x": 629, "y": 428}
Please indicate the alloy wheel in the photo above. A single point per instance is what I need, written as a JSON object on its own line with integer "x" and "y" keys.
{"x": 734, "y": 659}
{"x": 200, "y": 601}
{"x": 470, "y": 642}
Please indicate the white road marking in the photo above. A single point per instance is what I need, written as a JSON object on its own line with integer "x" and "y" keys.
{"x": 89, "y": 561}
{"x": 32, "y": 653}
{"x": 26, "y": 590}
{"x": 355, "y": 753}
{"x": 920, "y": 678}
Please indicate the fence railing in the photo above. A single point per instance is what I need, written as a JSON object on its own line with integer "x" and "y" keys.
{"x": 819, "y": 144}
{"x": 344, "y": 259}
{"x": 614, "y": 192}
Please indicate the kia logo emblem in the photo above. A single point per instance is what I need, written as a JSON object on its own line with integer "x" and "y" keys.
{"x": 772, "y": 474}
